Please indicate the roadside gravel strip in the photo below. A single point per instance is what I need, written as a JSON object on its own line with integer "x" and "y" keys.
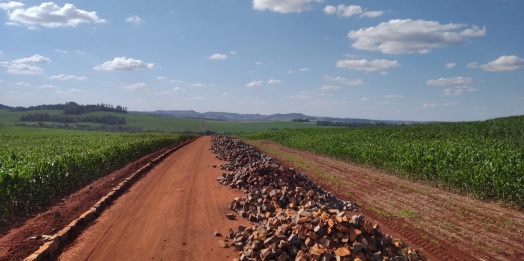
{"x": 297, "y": 220}
{"x": 59, "y": 239}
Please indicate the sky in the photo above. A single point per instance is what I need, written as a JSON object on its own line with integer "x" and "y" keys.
{"x": 416, "y": 60}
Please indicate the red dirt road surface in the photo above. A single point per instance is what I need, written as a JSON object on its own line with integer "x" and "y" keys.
{"x": 170, "y": 214}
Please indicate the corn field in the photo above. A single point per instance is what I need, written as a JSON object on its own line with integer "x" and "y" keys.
{"x": 483, "y": 159}
{"x": 36, "y": 168}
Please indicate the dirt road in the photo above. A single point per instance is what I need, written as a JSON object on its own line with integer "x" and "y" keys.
{"x": 170, "y": 214}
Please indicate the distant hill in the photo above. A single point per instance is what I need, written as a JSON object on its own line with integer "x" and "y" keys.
{"x": 5, "y": 107}
{"x": 237, "y": 117}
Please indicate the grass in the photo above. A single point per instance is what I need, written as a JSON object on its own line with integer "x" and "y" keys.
{"x": 296, "y": 161}
{"x": 407, "y": 214}
{"x": 166, "y": 124}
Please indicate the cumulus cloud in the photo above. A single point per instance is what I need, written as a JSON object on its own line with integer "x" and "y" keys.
{"x": 366, "y": 99}
{"x": 196, "y": 98}
{"x": 225, "y": 94}
{"x": 39, "y": 59}
{"x": 459, "y": 90}
{"x": 217, "y": 56}
{"x": 137, "y": 86}
{"x": 453, "y": 81}
{"x": 450, "y": 65}
{"x": 70, "y": 91}
{"x": 161, "y": 78}
{"x": 503, "y": 63}
{"x": 80, "y": 52}
{"x": 197, "y": 85}
{"x": 15, "y": 68}
{"x": 352, "y": 82}
{"x": 254, "y": 84}
{"x": 61, "y": 51}
{"x": 330, "y": 88}
{"x": 283, "y": 6}
{"x": 343, "y": 11}
{"x": 273, "y": 81}
{"x": 11, "y": 5}
{"x": 434, "y": 105}
{"x": 51, "y": 15}
{"x": 394, "y": 96}
{"x": 368, "y": 66}
{"x": 48, "y": 86}
{"x": 233, "y": 52}
{"x": 410, "y": 36}
{"x": 134, "y": 19}
{"x": 21, "y": 84}
{"x": 178, "y": 89}
{"x": 123, "y": 64}
{"x": 372, "y": 14}
{"x": 299, "y": 97}
{"x": 304, "y": 69}
{"x": 68, "y": 77}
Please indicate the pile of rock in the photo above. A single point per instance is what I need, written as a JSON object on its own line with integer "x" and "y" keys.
{"x": 296, "y": 219}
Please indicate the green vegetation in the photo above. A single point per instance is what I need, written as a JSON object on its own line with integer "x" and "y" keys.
{"x": 150, "y": 123}
{"x": 36, "y": 168}
{"x": 484, "y": 159}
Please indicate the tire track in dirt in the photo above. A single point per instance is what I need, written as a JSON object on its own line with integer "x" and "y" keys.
{"x": 448, "y": 225}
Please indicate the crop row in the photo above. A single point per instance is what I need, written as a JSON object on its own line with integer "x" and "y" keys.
{"x": 36, "y": 168}
{"x": 484, "y": 159}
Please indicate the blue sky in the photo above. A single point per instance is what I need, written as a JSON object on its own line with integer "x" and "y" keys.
{"x": 397, "y": 60}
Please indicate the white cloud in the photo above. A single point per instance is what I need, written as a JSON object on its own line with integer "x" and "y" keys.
{"x": 254, "y": 84}
{"x": 70, "y": 91}
{"x": 60, "y": 51}
{"x": 217, "y": 56}
{"x": 21, "y": 84}
{"x": 137, "y": 86}
{"x": 409, "y": 36}
{"x": 393, "y": 96}
{"x": 178, "y": 89}
{"x": 372, "y": 14}
{"x": 382, "y": 103}
{"x": 304, "y": 69}
{"x": 33, "y": 59}
{"x": 366, "y": 99}
{"x": 453, "y": 81}
{"x": 474, "y": 31}
{"x": 160, "y": 93}
{"x": 80, "y": 52}
{"x": 48, "y": 86}
{"x": 290, "y": 72}
{"x": 161, "y": 78}
{"x": 503, "y": 63}
{"x": 299, "y": 97}
{"x": 134, "y": 19}
{"x": 11, "y": 5}
{"x": 352, "y": 82}
{"x": 435, "y": 105}
{"x": 330, "y": 88}
{"x": 233, "y": 52}
{"x": 51, "y": 15}
{"x": 225, "y": 94}
{"x": 21, "y": 68}
{"x": 429, "y": 105}
{"x": 68, "y": 77}
{"x": 347, "y": 11}
{"x": 197, "y": 85}
{"x": 123, "y": 64}
{"x": 368, "y": 66}
{"x": 329, "y": 9}
{"x": 258, "y": 63}
{"x": 176, "y": 81}
{"x": 450, "y": 65}
{"x": 1, "y": 54}
{"x": 459, "y": 90}
{"x": 273, "y": 81}
{"x": 283, "y": 6}
{"x": 196, "y": 98}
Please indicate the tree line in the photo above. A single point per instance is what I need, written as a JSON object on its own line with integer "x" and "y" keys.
{"x": 73, "y": 108}
{"x": 348, "y": 124}
{"x": 102, "y": 119}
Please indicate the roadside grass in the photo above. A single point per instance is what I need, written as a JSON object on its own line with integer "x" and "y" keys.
{"x": 313, "y": 168}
